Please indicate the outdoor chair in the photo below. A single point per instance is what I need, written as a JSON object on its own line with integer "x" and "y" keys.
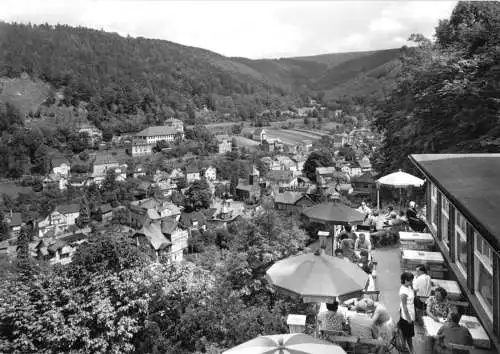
{"x": 397, "y": 343}
{"x": 370, "y": 345}
{"x": 464, "y": 307}
{"x": 347, "y": 342}
{"x": 460, "y": 349}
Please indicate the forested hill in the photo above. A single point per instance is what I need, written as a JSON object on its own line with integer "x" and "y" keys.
{"x": 119, "y": 75}
{"x": 122, "y": 77}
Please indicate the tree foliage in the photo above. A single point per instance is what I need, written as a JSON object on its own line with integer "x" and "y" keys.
{"x": 128, "y": 83}
{"x": 314, "y": 160}
{"x": 113, "y": 299}
{"x": 446, "y": 99}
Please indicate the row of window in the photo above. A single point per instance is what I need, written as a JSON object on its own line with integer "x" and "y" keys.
{"x": 483, "y": 253}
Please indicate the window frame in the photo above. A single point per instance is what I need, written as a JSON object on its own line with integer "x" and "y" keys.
{"x": 445, "y": 215}
{"x": 487, "y": 263}
{"x": 462, "y": 234}
{"x": 434, "y": 207}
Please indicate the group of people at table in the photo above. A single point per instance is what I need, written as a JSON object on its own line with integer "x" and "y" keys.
{"x": 366, "y": 318}
{"x": 418, "y": 296}
{"x": 385, "y": 225}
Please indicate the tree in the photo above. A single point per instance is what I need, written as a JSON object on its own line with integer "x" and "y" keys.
{"x": 236, "y": 129}
{"x": 348, "y": 153}
{"x": 107, "y": 135}
{"x": 84, "y": 156}
{"x": 444, "y": 99}
{"x": 314, "y": 160}
{"x": 113, "y": 253}
{"x": 198, "y": 196}
{"x": 4, "y": 228}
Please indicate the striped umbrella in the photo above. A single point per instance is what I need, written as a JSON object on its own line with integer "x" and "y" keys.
{"x": 294, "y": 343}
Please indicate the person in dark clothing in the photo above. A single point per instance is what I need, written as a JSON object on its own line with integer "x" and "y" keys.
{"x": 452, "y": 332}
{"x": 347, "y": 233}
{"x": 414, "y": 221}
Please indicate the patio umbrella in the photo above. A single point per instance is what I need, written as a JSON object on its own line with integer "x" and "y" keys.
{"x": 399, "y": 180}
{"x": 333, "y": 213}
{"x": 317, "y": 277}
{"x": 294, "y": 343}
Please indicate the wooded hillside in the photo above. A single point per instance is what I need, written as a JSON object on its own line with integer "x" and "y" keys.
{"x": 126, "y": 83}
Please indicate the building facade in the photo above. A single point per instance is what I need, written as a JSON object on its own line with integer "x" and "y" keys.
{"x": 224, "y": 144}
{"x": 462, "y": 208}
{"x": 144, "y": 141}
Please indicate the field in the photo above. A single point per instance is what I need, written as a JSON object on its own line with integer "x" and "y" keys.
{"x": 12, "y": 189}
{"x": 294, "y": 136}
{"x": 25, "y": 94}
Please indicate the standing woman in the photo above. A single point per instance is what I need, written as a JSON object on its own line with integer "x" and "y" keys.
{"x": 407, "y": 309}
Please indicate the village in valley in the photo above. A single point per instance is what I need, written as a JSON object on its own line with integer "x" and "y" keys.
{"x": 275, "y": 157}
{"x": 260, "y": 177}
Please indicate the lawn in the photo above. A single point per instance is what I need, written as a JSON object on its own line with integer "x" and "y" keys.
{"x": 12, "y": 189}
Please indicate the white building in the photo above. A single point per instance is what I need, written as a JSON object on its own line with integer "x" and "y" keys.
{"x": 144, "y": 141}
{"x": 211, "y": 174}
{"x": 59, "y": 220}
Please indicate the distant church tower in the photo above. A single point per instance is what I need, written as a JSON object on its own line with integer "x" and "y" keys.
{"x": 253, "y": 178}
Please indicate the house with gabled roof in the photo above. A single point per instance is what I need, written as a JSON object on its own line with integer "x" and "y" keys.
{"x": 192, "y": 174}
{"x": 292, "y": 201}
{"x": 60, "y": 219}
{"x": 60, "y": 167}
{"x": 326, "y": 175}
{"x": 224, "y": 143}
{"x": 282, "y": 179}
{"x": 14, "y": 222}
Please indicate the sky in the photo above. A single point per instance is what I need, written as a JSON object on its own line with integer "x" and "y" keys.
{"x": 252, "y": 29}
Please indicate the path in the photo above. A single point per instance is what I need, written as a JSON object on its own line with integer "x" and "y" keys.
{"x": 388, "y": 277}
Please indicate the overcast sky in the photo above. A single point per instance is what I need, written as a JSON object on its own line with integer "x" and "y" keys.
{"x": 253, "y": 29}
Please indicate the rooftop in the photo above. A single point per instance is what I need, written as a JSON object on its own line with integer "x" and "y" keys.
{"x": 288, "y": 197}
{"x": 158, "y": 131}
{"x": 325, "y": 170}
{"x": 14, "y": 220}
{"x": 155, "y": 236}
{"x": 280, "y": 175}
{"x": 470, "y": 182}
{"x": 105, "y": 160}
{"x": 68, "y": 208}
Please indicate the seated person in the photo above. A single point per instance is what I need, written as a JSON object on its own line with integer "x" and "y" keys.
{"x": 390, "y": 210}
{"x": 451, "y": 332}
{"x": 347, "y": 233}
{"x": 365, "y": 262}
{"x": 347, "y": 247}
{"x": 414, "y": 221}
{"x": 335, "y": 319}
{"x": 382, "y": 324}
{"x": 437, "y": 305}
{"x": 362, "y": 243}
{"x": 360, "y": 323}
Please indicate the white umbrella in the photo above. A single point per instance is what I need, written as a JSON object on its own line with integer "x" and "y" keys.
{"x": 400, "y": 180}
{"x": 294, "y": 343}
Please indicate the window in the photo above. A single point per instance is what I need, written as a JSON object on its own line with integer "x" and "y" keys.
{"x": 445, "y": 219}
{"x": 483, "y": 273}
{"x": 434, "y": 206}
{"x": 461, "y": 242}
